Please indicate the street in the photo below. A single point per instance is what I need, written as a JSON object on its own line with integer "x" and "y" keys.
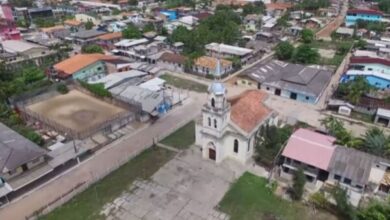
{"x": 106, "y": 159}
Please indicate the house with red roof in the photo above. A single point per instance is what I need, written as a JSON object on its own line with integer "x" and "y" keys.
{"x": 310, "y": 151}
{"x": 227, "y": 128}
{"x": 353, "y": 15}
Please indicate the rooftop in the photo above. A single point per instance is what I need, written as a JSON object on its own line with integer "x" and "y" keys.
{"x": 224, "y": 48}
{"x": 353, "y": 164}
{"x": 248, "y": 110}
{"x": 366, "y": 59}
{"x": 88, "y": 34}
{"x": 78, "y": 62}
{"x": 364, "y": 11}
{"x": 110, "y": 36}
{"x": 211, "y": 62}
{"x": 217, "y": 88}
{"x": 19, "y": 46}
{"x": 293, "y": 77}
{"x": 72, "y": 22}
{"x": 16, "y": 150}
{"x": 311, "y": 148}
{"x": 173, "y": 58}
{"x": 278, "y": 6}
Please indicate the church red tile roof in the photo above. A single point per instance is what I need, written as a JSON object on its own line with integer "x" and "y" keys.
{"x": 248, "y": 110}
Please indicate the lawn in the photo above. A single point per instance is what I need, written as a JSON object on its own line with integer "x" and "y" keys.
{"x": 184, "y": 83}
{"x": 249, "y": 198}
{"x": 88, "y": 204}
{"x": 183, "y": 138}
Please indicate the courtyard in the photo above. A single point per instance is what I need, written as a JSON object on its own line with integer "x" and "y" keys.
{"x": 76, "y": 111}
{"x": 187, "y": 187}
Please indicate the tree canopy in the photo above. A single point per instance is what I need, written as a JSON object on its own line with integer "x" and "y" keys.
{"x": 89, "y": 25}
{"x": 92, "y": 48}
{"x": 284, "y": 50}
{"x": 313, "y": 4}
{"x": 253, "y": 8}
{"x": 384, "y": 5}
{"x": 354, "y": 89}
{"x": 222, "y": 27}
{"x": 131, "y": 32}
{"x": 297, "y": 188}
{"x": 305, "y": 54}
{"x": 307, "y": 35}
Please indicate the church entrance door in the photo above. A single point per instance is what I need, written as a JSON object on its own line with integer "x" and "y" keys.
{"x": 212, "y": 154}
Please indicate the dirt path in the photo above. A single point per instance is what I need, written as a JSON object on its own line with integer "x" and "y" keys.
{"x": 325, "y": 32}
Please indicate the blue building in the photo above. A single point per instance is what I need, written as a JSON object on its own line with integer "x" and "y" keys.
{"x": 375, "y": 70}
{"x": 171, "y": 14}
{"x": 359, "y": 14}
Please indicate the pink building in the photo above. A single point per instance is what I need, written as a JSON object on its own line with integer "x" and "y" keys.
{"x": 8, "y": 29}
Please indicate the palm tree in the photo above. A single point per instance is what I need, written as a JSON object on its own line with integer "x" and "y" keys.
{"x": 376, "y": 142}
{"x": 357, "y": 88}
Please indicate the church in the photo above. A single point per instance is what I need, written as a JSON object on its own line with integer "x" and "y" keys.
{"x": 227, "y": 128}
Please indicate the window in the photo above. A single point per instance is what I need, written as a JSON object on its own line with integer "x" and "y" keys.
{"x": 307, "y": 97}
{"x": 249, "y": 145}
{"x": 235, "y": 146}
{"x": 213, "y": 102}
{"x": 337, "y": 177}
{"x": 215, "y": 123}
{"x": 369, "y": 69}
{"x": 209, "y": 119}
{"x": 99, "y": 68}
{"x": 347, "y": 181}
{"x": 267, "y": 88}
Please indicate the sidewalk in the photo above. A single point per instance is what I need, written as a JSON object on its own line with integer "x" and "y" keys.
{"x": 104, "y": 160}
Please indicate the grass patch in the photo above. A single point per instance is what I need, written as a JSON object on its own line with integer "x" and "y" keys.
{"x": 184, "y": 83}
{"x": 89, "y": 203}
{"x": 249, "y": 198}
{"x": 183, "y": 138}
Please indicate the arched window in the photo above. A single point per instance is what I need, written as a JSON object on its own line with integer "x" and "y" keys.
{"x": 235, "y": 146}
{"x": 215, "y": 123}
{"x": 209, "y": 119}
{"x": 213, "y": 102}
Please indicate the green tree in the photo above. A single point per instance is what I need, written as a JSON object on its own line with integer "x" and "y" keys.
{"x": 21, "y": 3}
{"x": 384, "y": 5}
{"x": 148, "y": 27}
{"x": 89, "y": 25}
{"x": 360, "y": 44}
{"x": 344, "y": 208}
{"x": 313, "y": 4}
{"x": 336, "y": 128}
{"x": 32, "y": 74}
{"x": 357, "y": 88}
{"x": 307, "y": 35}
{"x": 253, "y": 9}
{"x": 92, "y": 48}
{"x": 115, "y": 11}
{"x": 298, "y": 186}
{"x": 343, "y": 48}
{"x": 376, "y": 142}
{"x": 132, "y": 2}
{"x": 305, "y": 54}
{"x": 284, "y": 50}
{"x": 131, "y": 32}
{"x": 375, "y": 211}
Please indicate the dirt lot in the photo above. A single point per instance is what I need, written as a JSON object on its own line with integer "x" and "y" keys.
{"x": 76, "y": 110}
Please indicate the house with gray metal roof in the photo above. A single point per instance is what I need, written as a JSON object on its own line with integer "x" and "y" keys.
{"x": 293, "y": 81}
{"x": 17, "y": 156}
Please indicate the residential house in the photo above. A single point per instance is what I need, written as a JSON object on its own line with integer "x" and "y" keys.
{"x": 188, "y": 21}
{"x": 74, "y": 25}
{"x": 117, "y": 65}
{"x": 172, "y": 61}
{"x": 58, "y": 31}
{"x": 223, "y": 131}
{"x": 18, "y": 155}
{"x": 206, "y": 65}
{"x": 310, "y": 151}
{"x": 362, "y": 14}
{"x": 227, "y": 51}
{"x": 375, "y": 69}
{"x": 293, "y": 81}
{"x": 277, "y": 9}
{"x": 85, "y": 18}
{"x": 350, "y": 168}
{"x": 108, "y": 40}
{"x": 345, "y": 32}
{"x": 252, "y": 22}
{"x": 86, "y": 36}
{"x": 81, "y": 67}
{"x": 8, "y": 29}
{"x": 126, "y": 45}
{"x": 25, "y": 51}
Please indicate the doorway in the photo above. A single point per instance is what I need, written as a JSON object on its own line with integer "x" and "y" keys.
{"x": 212, "y": 154}
{"x": 278, "y": 92}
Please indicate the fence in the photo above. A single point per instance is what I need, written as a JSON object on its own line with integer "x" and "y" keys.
{"x": 95, "y": 177}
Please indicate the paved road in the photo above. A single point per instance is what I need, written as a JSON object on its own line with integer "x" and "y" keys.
{"x": 104, "y": 160}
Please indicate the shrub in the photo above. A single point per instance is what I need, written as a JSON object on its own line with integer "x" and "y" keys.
{"x": 62, "y": 88}
{"x": 298, "y": 185}
{"x": 97, "y": 89}
{"x": 319, "y": 199}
